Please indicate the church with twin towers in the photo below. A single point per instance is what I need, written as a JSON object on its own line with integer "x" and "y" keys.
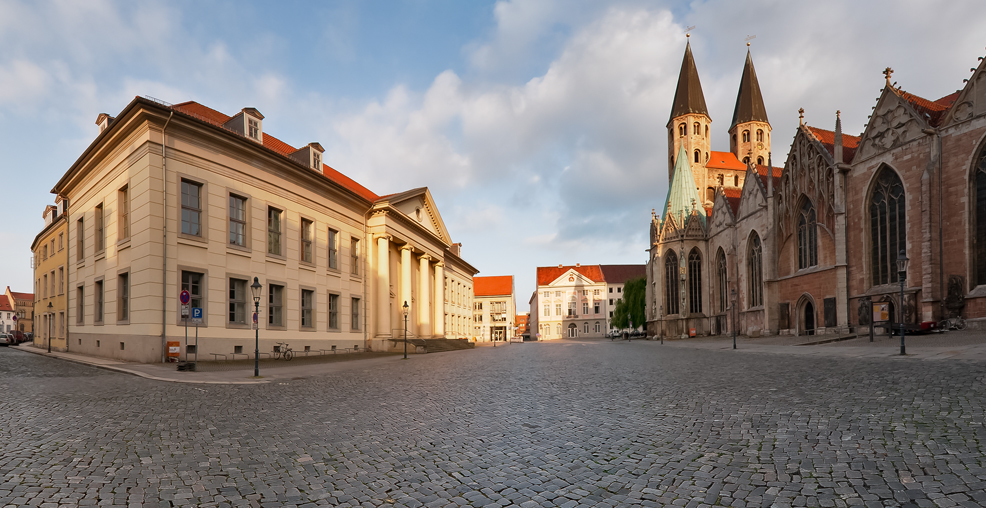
{"x": 808, "y": 247}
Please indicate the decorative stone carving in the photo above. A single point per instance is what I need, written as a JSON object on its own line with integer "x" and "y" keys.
{"x": 891, "y": 125}
{"x": 865, "y": 311}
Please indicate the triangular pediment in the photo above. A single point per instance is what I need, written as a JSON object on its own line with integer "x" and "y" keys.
{"x": 894, "y": 122}
{"x": 418, "y": 205}
{"x": 753, "y": 195}
{"x": 971, "y": 101}
{"x": 570, "y": 277}
{"x": 722, "y": 213}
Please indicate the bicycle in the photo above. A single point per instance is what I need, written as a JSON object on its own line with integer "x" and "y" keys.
{"x": 282, "y": 350}
{"x": 955, "y": 323}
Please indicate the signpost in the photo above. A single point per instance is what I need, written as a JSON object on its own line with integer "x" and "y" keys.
{"x": 184, "y": 298}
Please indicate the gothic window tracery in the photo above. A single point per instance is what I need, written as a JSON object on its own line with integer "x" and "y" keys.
{"x": 671, "y": 283}
{"x": 979, "y": 238}
{"x": 754, "y": 260}
{"x": 723, "y": 281}
{"x": 695, "y": 281}
{"x": 888, "y": 223}
{"x": 807, "y": 235}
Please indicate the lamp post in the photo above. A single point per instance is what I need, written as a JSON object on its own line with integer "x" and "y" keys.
{"x": 404, "y": 309}
{"x": 661, "y": 314}
{"x": 255, "y": 290}
{"x": 732, "y": 300}
{"x": 902, "y": 275}
{"x": 50, "y": 315}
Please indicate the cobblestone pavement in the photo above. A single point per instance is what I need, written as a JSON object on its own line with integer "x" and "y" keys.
{"x": 567, "y": 424}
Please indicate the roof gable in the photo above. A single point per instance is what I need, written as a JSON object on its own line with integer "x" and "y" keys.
{"x": 549, "y": 275}
{"x": 969, "y": 102}
{"x": 753, "y": 195}
{"x": 420, "y": 207}
{"x": 898, "y": 118}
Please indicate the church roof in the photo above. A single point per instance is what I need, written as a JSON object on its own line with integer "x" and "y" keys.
{"x": 827, "y": 139}
{"x": 618, "y": 274}
{"x": 724, "y": 160}
{"x": 688, "y": 97}
{"x": 749, "y": 101}
{"x": 763, "y": 171}
{"x": 936, "y": 110}
{"x": 732, "y": 195}
{"x": 683, "y": 195}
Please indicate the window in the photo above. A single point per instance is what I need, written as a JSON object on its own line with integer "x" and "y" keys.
{"x": 671, "y": 283}
{"x": 695, "y": 281}
{"x": 123, "y": 297}
{"x": 721, "y": 279}
{"x": 746, "y": 136}
{"x": 273, "y": 231}
{"x": 807, "y": 235}
{"x": 595, "y": 292}
{"x": 100, "y": 239}
{"x": 979, "y": 201}
{"x": 887, "y": 226}
{"x": 123, "y": 219}
{"x": 681, "y": 133}
{"x": 719, "y": 178}
{"x": 44, "y": 252}
{"x": 333, "y": 312}
{"x": 307, "y": 303}
{"x": 80, "y": 241}
{"x": 61, "y": 241}
{"x": 610, "y": 290}
{"x": 706, "y": 135}
{"x": 61, "y": 324}
{"x": 52, "y": 279}
{"x": 697, "y": 155}
{"x": 237, "y": 301}
{"x": 746, "y": 160}
{"x": 275, "y": 304}
{"x": 355, "y": 323}
{"x": 585, "y": 308}
{"x": 237, "y": 220}
{"x": 760, "y": 135}
{"x": 191, "y": 208}
{"x": 755, "y": 265}
{"x": 585, "y": 327}
{"x": 557, "y": 294}
{"x": 354, "y": 252}
{"x": 596, "y": 328}
{"x": 735, "y": 180}
{"x": 558, "y": 329}
{"x": 697, "y": 129}
{"x": 97, "y": 316}
{"x": 595, "y": 308}
{"x": 80, "y": 304}
{"x": 44, "y": 284}
{"x": 547, "y": 309}
{"x": 61, "y": 280}
{"x": 306, "y": 240}
{"x": 557, "y": 309}
{"x": 610, "y": 300}
{"x": 52, "y": 247}
{"x": 760, "y": 161}
{"x": 333, "y": 241}
{"x": 253, "y": 128}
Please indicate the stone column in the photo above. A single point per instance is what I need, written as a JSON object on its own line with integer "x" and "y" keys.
{"x": 383, "y": 286}
{"x": 405, "y": 275}
{"x": 440, "y": 299}
{"x": 424, "y": 297}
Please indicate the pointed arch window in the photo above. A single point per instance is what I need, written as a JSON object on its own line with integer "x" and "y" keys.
{"x": 760, "y": 161}
{"x": 760, "y": 135}
{"x": 695, "y": 281}
{"x": 979, "y": 238}
{"x": 807, "y": 235}
{"x": 887, "y": 226}
{"x": 722, "y": 281}
{"x": 671, "y": 283}
{"x": 754, "y": 261}
{"x": 746, "y": 136}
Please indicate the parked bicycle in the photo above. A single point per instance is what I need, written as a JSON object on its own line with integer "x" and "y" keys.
{"x": 954, "y": 323}
{"x": 282, "y": 350}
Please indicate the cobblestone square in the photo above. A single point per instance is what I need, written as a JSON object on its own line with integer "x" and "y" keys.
{"x": 531, "y": 425}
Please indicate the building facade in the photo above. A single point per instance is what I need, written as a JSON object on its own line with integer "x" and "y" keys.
{"x": 494, "y": 308}
{"x": 172, "y": 198}
{"x": 809, "y": 247}
{"x": 23, "y": 305}
{"x": 51, "y": 278}
{"x": 575, "y": 301}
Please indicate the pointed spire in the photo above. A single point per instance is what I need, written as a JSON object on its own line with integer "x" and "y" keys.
{"x": 749, "y": 101}
{"x": 837, "y": 146}
{"x": 688, "y": 97}
{"x": 683, "y": 194}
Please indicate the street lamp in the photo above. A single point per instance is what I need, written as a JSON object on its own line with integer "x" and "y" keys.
{"x": 404, "y": 310}
{"x": 902, "y": 275}
{"x": 50, "y": 315}
{"x": 732, "y": 299}
{"x": 661, "y": 315}
{"x": 255, "y": 290}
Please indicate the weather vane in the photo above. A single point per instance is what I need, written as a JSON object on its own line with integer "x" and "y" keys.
{"x": 689, "y": 29}
{"x": 749, "y": 38}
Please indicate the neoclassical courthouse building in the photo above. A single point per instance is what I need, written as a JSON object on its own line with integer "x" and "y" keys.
{"x": 808, "y": 247}
{"x": 182, "y": 197}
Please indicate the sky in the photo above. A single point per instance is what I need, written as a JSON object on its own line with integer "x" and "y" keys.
{"x": 538, "y": 125}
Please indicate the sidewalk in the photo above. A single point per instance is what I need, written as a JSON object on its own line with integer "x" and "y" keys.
{"x": 228, "y": 373}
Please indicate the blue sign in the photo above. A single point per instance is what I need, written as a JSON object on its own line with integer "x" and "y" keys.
{"x": 184, "y": 297}
{"x": 196, "y": 312}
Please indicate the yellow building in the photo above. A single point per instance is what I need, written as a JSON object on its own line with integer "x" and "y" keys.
{"x": 51, "y": 281}
{"x": 172, "y": 198}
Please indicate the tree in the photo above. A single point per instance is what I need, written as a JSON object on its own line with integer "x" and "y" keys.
{"x": 630, "y": 308}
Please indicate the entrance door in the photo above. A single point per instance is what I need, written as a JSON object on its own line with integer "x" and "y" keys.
{"x": 573, "y": 331}
{"x": 809, "y": 318}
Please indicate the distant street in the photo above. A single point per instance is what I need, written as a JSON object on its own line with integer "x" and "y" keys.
{"x": 575, "y": 423}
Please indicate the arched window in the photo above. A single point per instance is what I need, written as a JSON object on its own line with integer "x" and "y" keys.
{"x": 807, "y": 236}
{"x": 671, "y": 283}
{"x": 734, "y": 139}
{"x": 760, "y": 135}
{"x": 754, "y": 260}
{"x": 585, "y": 328}
{"x": 888, "y": 235}
{"x": 746, "y": 160}
{"x": 697, "y": 155}
{"x": 746, "y": 136}
{"x": 706, "y": 131}
{"x": 760, "y": 161}
{"x": 706, "y": 156}
{"x": 735, "y": 180}
{"x": 722, "y": 280}
{"x": 681, "y": 130}
{"x": 697, "y": 129}
{"x": 596, "y": 328}
{"x": 719, "y": 178}
{"x": 695, "y": 281}
{"x": 979, "y": 239}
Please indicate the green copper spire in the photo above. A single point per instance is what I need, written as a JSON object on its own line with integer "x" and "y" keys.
{"x": 683, "y": 195}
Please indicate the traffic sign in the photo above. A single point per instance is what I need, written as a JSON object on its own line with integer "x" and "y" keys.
{"x": 184, "y": 310}
{"x": 196, "y": 312}
{"x": 184, "y": 297}
{"x": 256, "y": 321}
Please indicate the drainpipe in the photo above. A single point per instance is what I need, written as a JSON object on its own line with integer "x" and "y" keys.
{"x": 164, "y": 243}
{"x": 68, "y": 283}
{"x": 366, "y": 278}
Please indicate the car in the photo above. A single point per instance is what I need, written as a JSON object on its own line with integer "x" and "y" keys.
{"x": 6, "y": 339}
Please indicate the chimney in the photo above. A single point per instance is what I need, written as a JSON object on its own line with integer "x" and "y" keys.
{"x": 578, "y": 265}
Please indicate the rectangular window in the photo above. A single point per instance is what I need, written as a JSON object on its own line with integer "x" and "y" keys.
{"x": 585, "y": 307}
{"x": 80, "y": 241}
{"x": 52, "y": 249}
{"x": 100, "y": 239}
{"x": 191, "y": 208}
{"x": 123, "y": 297}
{"x": 355, "y": 324}
{"x": 80, "y": 304}
{"x": 44, "y": 284}
{"x": 273, "y": 231}
{"x": 61, "y": 280}
{"x": 333, "y": 241}
{"x": 611, "y": 300}
{"x": 97, "y": 312}
{"x": 44, "y": 252}
{"x": 595, "y": 308}
{"x": 316, "y": 161}
{"x": 619, "y": 289}
{"x": 306, "y": 240}
{"x": 237, "y": 220}
{"x": 557, "y": 309}
{"x": 557, "y": 294}
{"x": 237, "y": 301}
{"x": 610, "y": 290}
{"x": 192, "y": 282}
{"x": 354, "y": 252}
{"x": 123, "y": 203}
{"x": 52, "y": 279}
{"x": 333, "y": 312}
{"x": 61, "y": 241}
{"x": 595, "y": 292}
{"x": 547, "y": 309}
{"x": 307, "y": 301}
{"x": 275, "y": 302}
{"x": 61, "y": 324}
{"x": 253, "y": 128}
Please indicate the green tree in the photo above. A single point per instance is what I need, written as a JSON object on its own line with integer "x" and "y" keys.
{"x": 630, "y": 308}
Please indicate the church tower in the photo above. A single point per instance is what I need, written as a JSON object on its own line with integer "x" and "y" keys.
{"x": 749, "y": 132}
{"x": 688, "y": 127}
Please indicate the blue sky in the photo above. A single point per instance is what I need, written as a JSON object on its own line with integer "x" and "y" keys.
{"x": 538, "y": 125}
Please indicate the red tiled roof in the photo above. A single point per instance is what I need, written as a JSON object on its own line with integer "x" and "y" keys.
{"x": 733, "y": 195}
{"x": 21, "y": 296}
{"x": 935, "y": 110}
{"x": 725, "y": 160}
{"x": 618, "y": 274}
{"x": 763, "y": 171}
{"x": 209, "y": 115}
{"x": 827, "y": 139}
{"x": 493, "y": 286}
{"x": 5, "y": 305}
{"x": 547, "y": 274}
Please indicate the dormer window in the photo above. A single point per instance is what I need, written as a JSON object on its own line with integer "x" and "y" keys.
{"x": 254, "y": 128}
{"x": 316, "y": 160}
